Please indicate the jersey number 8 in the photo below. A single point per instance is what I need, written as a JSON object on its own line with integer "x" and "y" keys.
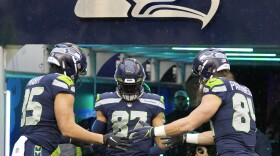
{"x": 241, "y": 118}
{"x": 120, "y": 119}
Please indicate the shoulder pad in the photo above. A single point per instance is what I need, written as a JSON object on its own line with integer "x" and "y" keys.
{"x": 107, "y": 98}
{"x": 153, "y": 96}
{"x": 153, "y": 99}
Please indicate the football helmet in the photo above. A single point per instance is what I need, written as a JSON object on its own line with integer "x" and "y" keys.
{"x": 130, "y": 76}
{"x": 70, "y": 59}
{"x": 209, "y": 61}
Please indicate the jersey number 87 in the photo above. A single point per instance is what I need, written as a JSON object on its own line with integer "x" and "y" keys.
{"x": 121, "y": 119}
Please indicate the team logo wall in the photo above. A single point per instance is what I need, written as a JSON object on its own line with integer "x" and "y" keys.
{"x": 141, "y": 9}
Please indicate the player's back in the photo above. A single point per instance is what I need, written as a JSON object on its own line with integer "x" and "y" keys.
{"x": 123, "y": 116}
{"x": 38, "y": 120}
{"x": 234, "y": 122}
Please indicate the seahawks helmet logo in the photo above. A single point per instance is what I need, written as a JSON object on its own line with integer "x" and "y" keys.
{"x": 141, "y": 9}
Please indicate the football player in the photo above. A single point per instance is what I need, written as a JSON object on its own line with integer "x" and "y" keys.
{"x": 120, "y": 111}
{"x": 47, "y": 111}
{"x": 228, "y": 104}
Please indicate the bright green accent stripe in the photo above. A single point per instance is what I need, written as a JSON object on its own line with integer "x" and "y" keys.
{"x": 66, "y": 79}
{"x": 148, "y": 132}
{"x": 56, "y": 152}
{"x": 214, "y": 82}
{"x": 161, "y": 99}
{"x": 139, "y": 80}
{"x": 97, "y": 97}
{"x": 79, "y": 151}
{"x": 120, "y": 80}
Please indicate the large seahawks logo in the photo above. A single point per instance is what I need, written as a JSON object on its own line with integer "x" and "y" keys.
{"x": 141, "y": 9}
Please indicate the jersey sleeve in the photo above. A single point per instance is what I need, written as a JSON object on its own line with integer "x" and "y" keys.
{"x": 215, "y": 86}
{"x": 63, "y": 84}
{"x": 98, "y": 104}
{"x": 159, "y": 106}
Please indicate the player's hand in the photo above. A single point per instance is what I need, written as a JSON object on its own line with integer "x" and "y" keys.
{"x": 142, "y": 133}
{"x": 111, "y": 140}
{"x": 172, "y": 141}
{"x": 167, "y": 143}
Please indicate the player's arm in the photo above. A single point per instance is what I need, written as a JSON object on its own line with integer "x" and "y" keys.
{"x": 209, "y": 105}
{"x": 63, "y": 106}
{"x": 158, "y": 121}
{"x": 99, "y": 125}
{"x": 205, "y": 138}
{"x": 100, "y": 116}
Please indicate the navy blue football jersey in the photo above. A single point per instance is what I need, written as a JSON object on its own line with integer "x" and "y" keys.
{"x": 123, "y": 116}
{"x": 38, "y": 122}
{"x": 234, "y": 122}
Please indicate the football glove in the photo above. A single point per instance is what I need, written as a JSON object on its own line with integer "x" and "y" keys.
{"x": 172, "y": 141}
{"x": 113, "y": 141}
{"x": 142, "y": 133}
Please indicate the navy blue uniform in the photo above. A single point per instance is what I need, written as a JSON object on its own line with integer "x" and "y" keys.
{"x": 234, "y": 122}
{"x": 123, "y": 116}
{"x": 38, "y": 122}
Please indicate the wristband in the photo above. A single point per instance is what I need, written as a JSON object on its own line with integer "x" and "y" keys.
{"x": 192, "y": 138}
{"x": 159, "y": 131}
